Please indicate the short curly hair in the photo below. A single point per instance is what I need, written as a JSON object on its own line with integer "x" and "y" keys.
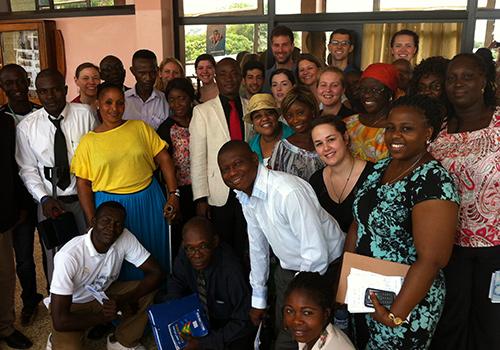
{"x": 431, "y": 108}
{"x": 436, "y": 65}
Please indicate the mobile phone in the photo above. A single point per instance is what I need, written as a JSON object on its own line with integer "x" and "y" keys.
{"x": 385, "y": 297}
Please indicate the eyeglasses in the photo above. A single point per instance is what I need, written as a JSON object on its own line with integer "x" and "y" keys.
{"x": 434, "y": 87}
{"x": 202, "y": 248}
{"x": 371, "y": 91}
{"x": 340, "y": 43}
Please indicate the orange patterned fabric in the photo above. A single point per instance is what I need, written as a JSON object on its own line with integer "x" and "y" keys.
{"x": 366, "y": 142}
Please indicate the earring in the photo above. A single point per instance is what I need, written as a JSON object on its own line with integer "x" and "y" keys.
{"x": 482, "y": 90}
{"x": 428, "y": 142}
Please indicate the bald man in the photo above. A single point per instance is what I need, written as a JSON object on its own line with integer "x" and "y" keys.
{"x": 226, "y": 296}
{"x": 215, "y": 122}
{"x": 284, "y": 214}
{"x": 37, "y": 152}
{"x": 112, "y": 71}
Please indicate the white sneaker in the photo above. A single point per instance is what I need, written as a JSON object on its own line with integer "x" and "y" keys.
{"x": 49, "y": 342}
{"x": 117, "y": 346}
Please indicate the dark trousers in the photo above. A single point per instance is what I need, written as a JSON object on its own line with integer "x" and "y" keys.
{"x": 469, "y": 320}
{"x": 7, "y": 284}
{"x": 188, "y": 210}
{"x": 49, "y": 254}
{"x": 23, "y": 237}
{"x": 232, "y": 226}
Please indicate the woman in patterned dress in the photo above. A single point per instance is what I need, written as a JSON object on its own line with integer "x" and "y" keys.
{"x": 378, "y": 85}
{"x": 295, "y": 155}
{"x": 180, "y": 95}
{"x": 406, "y": 212}
{"x": 470, "y": 149}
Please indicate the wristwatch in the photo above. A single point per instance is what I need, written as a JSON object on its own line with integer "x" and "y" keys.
{"x": 396, "y": 320}
{"x": 177, "y": 192}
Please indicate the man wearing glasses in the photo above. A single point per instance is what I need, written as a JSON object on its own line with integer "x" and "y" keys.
{"x": 208, "y": 267}
{"x": 341, "y": 45}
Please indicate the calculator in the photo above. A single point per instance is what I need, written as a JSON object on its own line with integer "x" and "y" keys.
{"x": 385, "y": 297}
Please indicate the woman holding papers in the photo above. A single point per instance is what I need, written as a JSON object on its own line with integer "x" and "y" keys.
{"x": 406, "y": 212}
{"x": 470, "y": 149}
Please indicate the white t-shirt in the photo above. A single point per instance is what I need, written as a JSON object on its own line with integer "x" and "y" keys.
{"x": 78, "y": 264}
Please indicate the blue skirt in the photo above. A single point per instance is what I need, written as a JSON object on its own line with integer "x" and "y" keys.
{"x": 146, "y": 221}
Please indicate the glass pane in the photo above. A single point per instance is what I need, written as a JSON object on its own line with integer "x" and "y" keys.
{"x": 393, "y": 5}
{"x": 488, "y": 35}
{"x": 222, "y": 41}
{"x": 489, "y": 4}
{"x": 422, "y": 5}
{"x": 43, "y": 5}
{"x": 349, "y": 6}
{"x": 194, "y": 8}
{"x": 103, "y": 3}
{"x": 69, "y": 4}
{"x": 435, "y": 39}
{"x": 22, "y": 48}
{"x": 22, "y": 5}
{"x": 287, "y": 7}
{"x": 99, "y": 3}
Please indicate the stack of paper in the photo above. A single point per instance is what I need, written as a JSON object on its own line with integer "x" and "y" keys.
{"x": 359, "y": 280}
{"x": 495, "y": 287}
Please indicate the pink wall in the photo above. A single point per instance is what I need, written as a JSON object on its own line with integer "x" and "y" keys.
{"x": 89, "y": 39}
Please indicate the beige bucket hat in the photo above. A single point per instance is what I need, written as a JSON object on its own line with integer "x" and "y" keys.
{"x": 258, "y": 102}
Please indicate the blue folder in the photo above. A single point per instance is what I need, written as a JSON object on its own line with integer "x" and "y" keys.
{"x": 173, "y": 318}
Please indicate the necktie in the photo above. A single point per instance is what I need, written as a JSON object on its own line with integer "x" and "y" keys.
{"x": 61, "y": 161}
{"x": 234, "y": 122}
{"x": 201, "y": 283}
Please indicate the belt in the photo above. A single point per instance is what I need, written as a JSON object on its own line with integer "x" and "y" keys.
{"x": 68, "y": 199}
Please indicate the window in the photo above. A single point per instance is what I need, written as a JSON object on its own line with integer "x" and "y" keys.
{"x": 489, "y": 4}
{"x": 43, "y": 5}
{"x": 487, "y": 32}
{"x": 339, "y": 6}
{"x": 222, "y": 41}
{"x": 221, "y": 7}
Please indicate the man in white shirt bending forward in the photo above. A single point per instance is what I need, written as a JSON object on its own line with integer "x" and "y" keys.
{"x": 282, "y": 212}
{"x": 93, "y": 261}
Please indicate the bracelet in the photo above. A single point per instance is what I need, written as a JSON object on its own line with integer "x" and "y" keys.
{"x": 396, "y": 320}
{"x": 44, "y": 199}
{"x": 177, "y": 193}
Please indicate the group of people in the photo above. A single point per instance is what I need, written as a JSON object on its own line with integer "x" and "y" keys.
{"x": 248, "y": 188}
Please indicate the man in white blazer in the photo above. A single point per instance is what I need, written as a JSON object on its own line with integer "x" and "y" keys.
{"x": 213, "y": 124}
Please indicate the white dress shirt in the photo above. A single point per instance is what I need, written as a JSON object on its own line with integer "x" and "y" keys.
{"x": 154, "y": 111}
{"x": 283, "y": 212}
{"x": 35, "y": 146}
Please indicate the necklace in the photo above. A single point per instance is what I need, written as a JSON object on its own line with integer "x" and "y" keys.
{"x": 407, "y": 169}
{"x": 339, "y": 198}
{"x": 376, "y": 122}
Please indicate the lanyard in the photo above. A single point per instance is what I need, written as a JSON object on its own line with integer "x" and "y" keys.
{"x": 16, "y": 117}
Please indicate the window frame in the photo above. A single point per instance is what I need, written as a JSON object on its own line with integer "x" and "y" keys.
{"x": 299, "y": 22}
{"x": 38, "y": 13}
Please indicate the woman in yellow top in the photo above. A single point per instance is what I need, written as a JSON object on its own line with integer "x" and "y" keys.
{"x": 377, "y": 88}
{"x": 115, "y": 162}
